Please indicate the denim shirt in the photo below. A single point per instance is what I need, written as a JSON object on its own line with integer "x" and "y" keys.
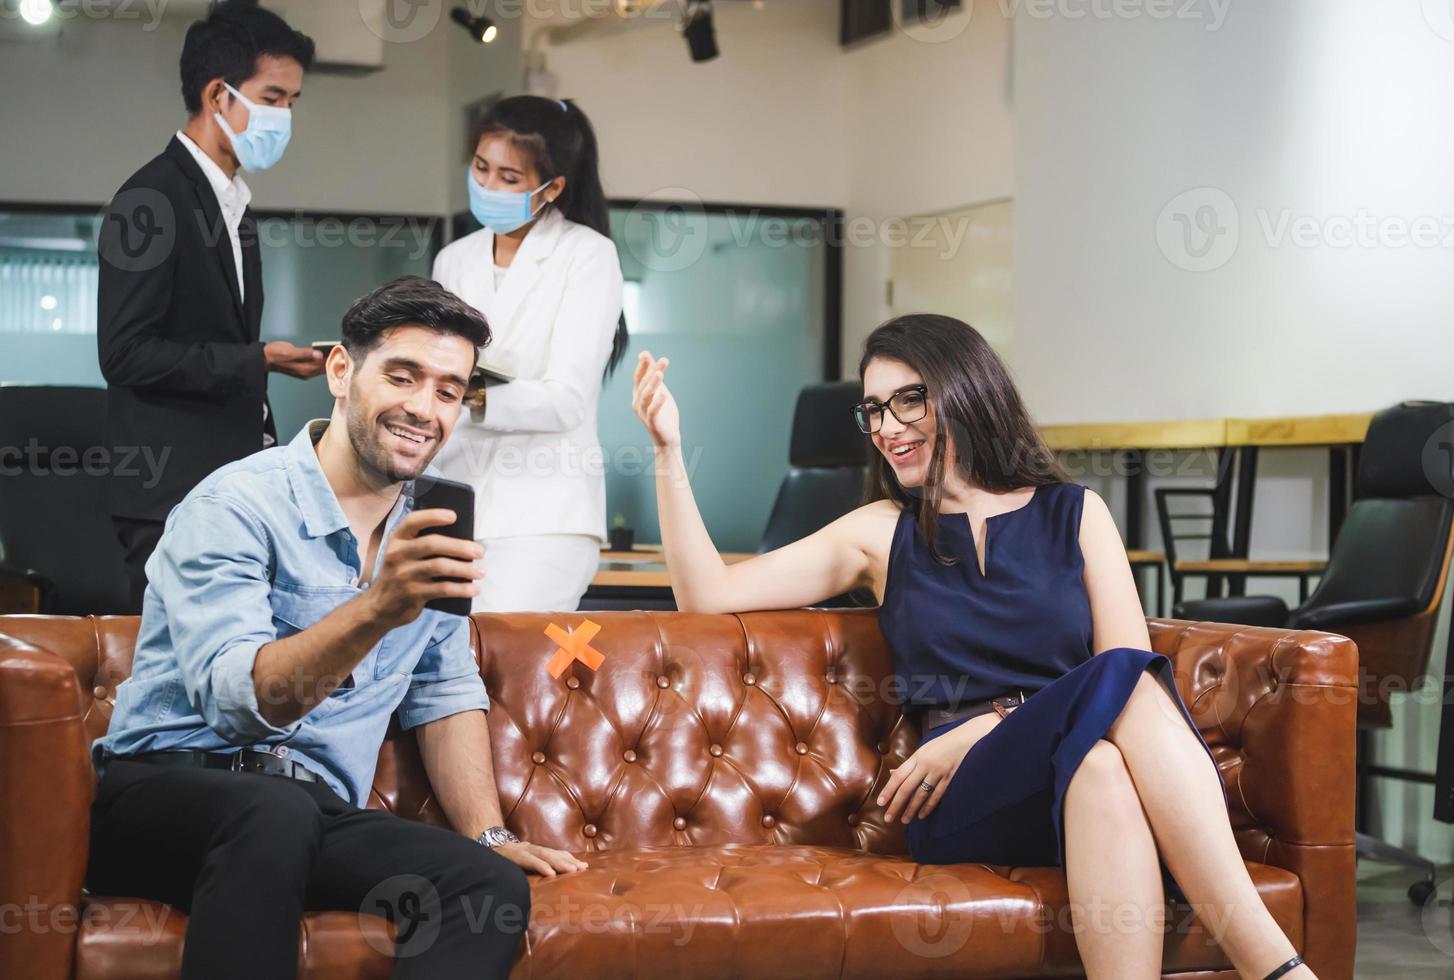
{"x": 259, "y": 551}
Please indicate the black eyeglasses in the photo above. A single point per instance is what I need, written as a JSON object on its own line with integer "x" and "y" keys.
{"x": 907, "y": 404}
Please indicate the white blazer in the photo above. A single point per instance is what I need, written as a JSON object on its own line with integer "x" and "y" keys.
{"x": 533, "y": 458}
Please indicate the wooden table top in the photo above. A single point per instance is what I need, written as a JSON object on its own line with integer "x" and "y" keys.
{"x": 1297, "y": 430}
{"x": 642, "y": 567}
{"x": 1253, "y": 565}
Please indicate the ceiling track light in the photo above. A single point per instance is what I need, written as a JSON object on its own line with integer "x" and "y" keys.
{"x": 481, "y": 28}
{"x": 36, "y": 12}
{"x": 698, "y": 29}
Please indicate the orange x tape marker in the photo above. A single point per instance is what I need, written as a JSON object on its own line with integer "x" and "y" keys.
{"x": 575, "y": 645}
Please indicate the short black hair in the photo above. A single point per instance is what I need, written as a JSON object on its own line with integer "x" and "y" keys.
{"x": 229, "y": 42}
{"x": 410, "y": 301}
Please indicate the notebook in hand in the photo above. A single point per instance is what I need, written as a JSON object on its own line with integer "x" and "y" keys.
{"x": 491, "y": 374}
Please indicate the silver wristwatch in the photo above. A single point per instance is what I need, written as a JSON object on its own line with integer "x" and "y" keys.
{"x": 495, "y": 836}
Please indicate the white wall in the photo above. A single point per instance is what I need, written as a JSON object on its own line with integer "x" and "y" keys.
{"x": 84, "y": 110}
{"x": 931, "y": 130}
{"x": 1323, "y": 112}
{"x": 897, "y": 125}
{"x": 475, "y": 71}
{"x": 761, "y": 123}
{"x": 1319, "y": 111}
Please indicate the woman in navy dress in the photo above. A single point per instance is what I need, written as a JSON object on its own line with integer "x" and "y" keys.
{"x": 1053, "y": 735}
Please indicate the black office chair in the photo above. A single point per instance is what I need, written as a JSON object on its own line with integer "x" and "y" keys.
{"x": 60, "y": 553}
{"x": 1384, "y": 581}
{"x": 827, "y": 466}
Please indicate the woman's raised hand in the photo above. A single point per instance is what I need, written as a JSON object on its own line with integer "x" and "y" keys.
{"x": 653, "y": 402}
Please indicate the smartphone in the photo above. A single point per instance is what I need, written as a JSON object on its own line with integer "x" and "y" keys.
{"x": 324, "y": 345}
{"x": 431, "y": 492}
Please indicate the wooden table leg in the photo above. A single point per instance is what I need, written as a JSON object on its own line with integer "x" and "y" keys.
{"x": 1242, "y": 520}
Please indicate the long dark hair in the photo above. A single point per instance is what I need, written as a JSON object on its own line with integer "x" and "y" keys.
{"x": 976, "y": 406}
{"x": 559, "y": 139}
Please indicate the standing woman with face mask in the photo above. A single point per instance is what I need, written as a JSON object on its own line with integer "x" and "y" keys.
{"x": 544, "y": 272}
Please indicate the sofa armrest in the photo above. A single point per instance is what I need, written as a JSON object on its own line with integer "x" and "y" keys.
{"x": 46, "y": 787}
{"x": 1279, "y": 710}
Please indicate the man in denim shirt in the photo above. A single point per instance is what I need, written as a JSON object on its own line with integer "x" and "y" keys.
{"x": 282, "y": 626}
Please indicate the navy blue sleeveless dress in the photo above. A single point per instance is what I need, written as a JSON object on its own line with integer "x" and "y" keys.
{"x": 1023, "y": 625}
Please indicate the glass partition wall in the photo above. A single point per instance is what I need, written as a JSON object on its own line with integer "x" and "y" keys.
{"x": 744, "y": 300}
{"x": 314, "y": 267}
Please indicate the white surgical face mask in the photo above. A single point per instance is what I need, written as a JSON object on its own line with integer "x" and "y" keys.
{"x": 502, "y": 211}
{"x": 262, "y": 142}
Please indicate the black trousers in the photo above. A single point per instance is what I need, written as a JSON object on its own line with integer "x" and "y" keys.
{"x": 138, "y": 540}
{"x": 245, "y": 855}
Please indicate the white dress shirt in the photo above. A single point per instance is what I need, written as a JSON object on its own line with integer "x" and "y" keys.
{"x": 534, "y": 458}
{"x": 233, "y": 197}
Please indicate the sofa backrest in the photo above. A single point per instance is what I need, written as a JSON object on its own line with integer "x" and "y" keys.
{"x": 696, "y": 729}
{"x": 772, "y": 727}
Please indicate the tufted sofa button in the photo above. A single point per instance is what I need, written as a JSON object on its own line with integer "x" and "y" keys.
{"x": 99, "y": 694}
{"x": 801, "y": 748}
{"x": 629, "y": 756}
{"x": 589, "y": 830}
{"x": 882, "y": 748}
{"x": 573, "y": 682}
{"x": 769, "y": 821}
{"x": 537, "y": 757}
{"x": 832, "y": 678}
{"x": 853, "y": 820}
{"x": 663, "y": 683}
{"x": 749, "y": 679}
{"x": 716, "y": 750}
{"x": 680, "y": 823}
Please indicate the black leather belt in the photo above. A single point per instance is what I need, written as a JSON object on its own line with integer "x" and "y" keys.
{"x": 243, "y": 760}
{"x": 934, "y": 717}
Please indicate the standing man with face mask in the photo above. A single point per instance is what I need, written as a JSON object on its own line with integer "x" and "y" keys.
{"x": 180, "y": 297}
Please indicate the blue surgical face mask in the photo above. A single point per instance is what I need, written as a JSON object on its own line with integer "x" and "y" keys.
{"x": 501, "y": 211}
{"x": 262, "y": 143}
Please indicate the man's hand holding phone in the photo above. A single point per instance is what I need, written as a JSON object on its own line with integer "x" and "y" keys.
{"x": 419, "y": 565}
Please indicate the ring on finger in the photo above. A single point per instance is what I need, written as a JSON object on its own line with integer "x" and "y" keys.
{"x": 926, "y": 787}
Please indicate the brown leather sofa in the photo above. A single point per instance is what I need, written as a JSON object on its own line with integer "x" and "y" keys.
{"x": 718, "y": 772}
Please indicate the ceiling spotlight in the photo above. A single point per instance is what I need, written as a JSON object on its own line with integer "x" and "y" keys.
{"x": 698, "y": 30}
{"x": 36, "y": 12}
{"x": 482, "y": 29}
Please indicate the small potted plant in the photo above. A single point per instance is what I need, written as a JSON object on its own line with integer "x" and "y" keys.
{"x": 622, "y": 537}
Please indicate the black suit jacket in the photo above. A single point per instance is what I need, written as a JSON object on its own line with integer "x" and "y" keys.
{"x": 186, "y": 379}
